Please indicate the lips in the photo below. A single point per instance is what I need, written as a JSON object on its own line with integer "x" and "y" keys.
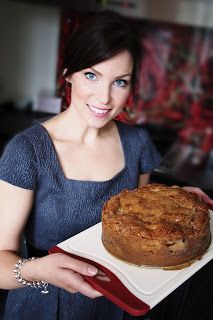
{"x": 98, "y": 111}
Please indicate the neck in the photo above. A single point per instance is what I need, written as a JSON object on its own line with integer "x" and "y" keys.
{"x": 75, "y": 128}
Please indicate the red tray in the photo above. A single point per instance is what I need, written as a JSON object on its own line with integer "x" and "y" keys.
{"x": 113, "y": 290}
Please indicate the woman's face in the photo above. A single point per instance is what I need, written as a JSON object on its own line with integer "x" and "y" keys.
{"x": 99, "y": 93}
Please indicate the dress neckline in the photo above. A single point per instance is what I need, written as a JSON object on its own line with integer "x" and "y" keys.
{"x": 59, "y": 167}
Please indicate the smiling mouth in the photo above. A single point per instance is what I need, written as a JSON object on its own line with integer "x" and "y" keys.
{"x": 98, "y": 110}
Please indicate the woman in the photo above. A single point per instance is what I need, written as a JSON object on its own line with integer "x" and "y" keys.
{"x": 55, "y": 176}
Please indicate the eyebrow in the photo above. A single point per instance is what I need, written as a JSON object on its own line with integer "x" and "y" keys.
{"x": 118, "y": 77}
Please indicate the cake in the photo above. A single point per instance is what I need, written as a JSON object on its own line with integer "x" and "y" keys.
{"x": 156, "y": 225}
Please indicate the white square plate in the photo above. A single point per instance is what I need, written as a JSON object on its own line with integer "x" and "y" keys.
{"x": 150, "y": 285}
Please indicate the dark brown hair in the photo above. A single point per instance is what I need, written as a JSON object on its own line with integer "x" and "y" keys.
{"x": 99, "y": 37}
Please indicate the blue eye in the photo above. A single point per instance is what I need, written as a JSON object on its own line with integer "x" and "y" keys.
{"x": 90, "y": 75}
{"x": 121, "y": 83}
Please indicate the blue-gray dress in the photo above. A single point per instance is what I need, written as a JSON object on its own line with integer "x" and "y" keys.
{"x": 62, "y": 208}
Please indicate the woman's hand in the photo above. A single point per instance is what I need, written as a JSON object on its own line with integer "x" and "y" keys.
{"x": 202, "y": 195}
{"x": 63, "y": 272}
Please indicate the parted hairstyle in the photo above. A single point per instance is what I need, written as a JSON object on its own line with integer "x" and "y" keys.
{"x": 99, "y": 37}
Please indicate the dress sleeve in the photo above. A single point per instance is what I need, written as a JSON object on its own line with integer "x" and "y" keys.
{"x": 18, "y": 163}
{"x": 150, "y": 157}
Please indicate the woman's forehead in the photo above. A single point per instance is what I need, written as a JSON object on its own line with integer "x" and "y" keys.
{"x": 119, "y": 65}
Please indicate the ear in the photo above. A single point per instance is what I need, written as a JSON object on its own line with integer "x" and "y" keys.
{"x": 68, "y": 78}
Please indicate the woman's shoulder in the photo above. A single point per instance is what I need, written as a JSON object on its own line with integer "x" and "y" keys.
{"x": 34, "y": 134}
{"x": 132, "y": 131}
{"x": 33, "y": 131}
{"x": 25, "y": 141}
{"x": 18, "y": 163}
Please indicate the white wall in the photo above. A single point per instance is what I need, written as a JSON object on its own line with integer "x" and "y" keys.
{"x": 28, "y": 50}
{"x": 190, "y": 12}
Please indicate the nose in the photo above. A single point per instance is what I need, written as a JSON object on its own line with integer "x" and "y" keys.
{"x": 104, "y": 94}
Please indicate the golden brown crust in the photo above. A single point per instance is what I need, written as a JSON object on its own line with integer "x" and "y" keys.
{"x": 156, "y": 225}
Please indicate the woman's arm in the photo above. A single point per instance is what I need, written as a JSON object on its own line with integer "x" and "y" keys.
{"x": 57, "y": 269}
{"x": 143, "y": 179}
{"x": 15, "y": 206}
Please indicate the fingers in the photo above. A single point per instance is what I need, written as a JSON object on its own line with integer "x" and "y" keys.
{"x": 81, "y": 267}
{"x": 61, "y": 260}
{"x": 195, "y": 190}
{"x": 102, "y": 276}
{"x": 203, "y": 196}
{"x": 78, "y": 284}
{"x": 67, "y": 273}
